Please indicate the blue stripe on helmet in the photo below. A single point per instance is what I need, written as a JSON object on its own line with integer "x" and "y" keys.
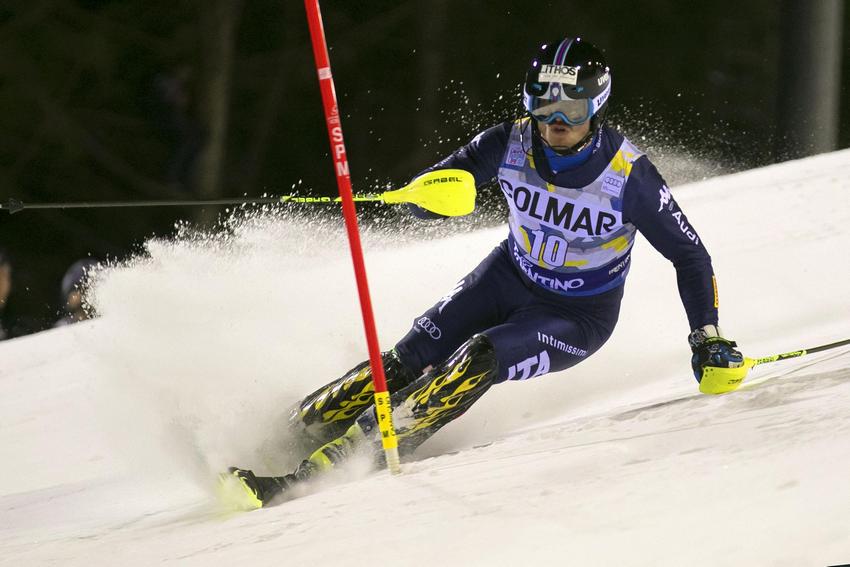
{"x": 561, "y": 52}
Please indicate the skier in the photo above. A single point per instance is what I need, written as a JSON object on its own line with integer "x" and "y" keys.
{"x": 547, "y": 297}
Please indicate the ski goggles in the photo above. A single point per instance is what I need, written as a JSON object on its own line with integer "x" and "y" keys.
{"x": 571, "y": 111}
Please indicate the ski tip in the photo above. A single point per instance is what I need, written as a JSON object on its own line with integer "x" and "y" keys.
{"x": 234, "y": 494}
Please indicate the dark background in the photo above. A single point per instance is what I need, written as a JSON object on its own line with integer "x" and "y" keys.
{"x": 127, "y": 100}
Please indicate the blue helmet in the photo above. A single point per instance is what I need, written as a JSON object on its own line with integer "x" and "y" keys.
{"x": 568, "y": 80}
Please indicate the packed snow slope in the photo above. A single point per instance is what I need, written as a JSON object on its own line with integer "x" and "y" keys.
{"x": 112, "y": 431}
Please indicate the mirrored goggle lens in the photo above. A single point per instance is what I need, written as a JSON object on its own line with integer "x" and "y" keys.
{"x": 570, "y": 111}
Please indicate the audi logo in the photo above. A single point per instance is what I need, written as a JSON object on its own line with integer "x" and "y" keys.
{"x": 429, "y": 327}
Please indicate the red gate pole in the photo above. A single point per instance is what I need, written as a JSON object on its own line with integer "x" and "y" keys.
{"x": 326, "y": 84}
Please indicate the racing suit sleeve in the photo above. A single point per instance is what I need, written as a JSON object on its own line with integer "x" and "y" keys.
{"x": 649, "y": 205}
{"x": 481, "y": 157}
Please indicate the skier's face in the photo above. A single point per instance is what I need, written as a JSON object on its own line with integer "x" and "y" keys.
{"x": 561, "y": 135}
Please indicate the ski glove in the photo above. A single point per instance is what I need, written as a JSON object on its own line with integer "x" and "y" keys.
{"x": 711, "y": 349}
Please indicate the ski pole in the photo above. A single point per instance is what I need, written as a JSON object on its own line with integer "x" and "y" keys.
{"x": 15, "y": 206}
{"x": 448, "y": 192}
{"x": 716, "y": 380}
{"x": 798, "y": 353}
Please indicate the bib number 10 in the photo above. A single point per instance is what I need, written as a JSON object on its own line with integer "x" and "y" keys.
{"x": 550, "y": 249}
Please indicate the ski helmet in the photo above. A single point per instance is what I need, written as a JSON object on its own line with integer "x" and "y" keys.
{"x": 568, "y": 80}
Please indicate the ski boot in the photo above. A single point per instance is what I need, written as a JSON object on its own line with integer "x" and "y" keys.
{"x": 242, "y": 489}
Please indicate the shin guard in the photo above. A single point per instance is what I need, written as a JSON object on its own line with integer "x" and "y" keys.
{"x": 331, "y": 410}
{"x": 439, "y": 396}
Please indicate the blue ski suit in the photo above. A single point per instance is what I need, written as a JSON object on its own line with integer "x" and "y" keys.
{"x": 549, "y": 295}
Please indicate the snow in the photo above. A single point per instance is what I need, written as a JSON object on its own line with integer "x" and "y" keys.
{"x": 111, "y": 431}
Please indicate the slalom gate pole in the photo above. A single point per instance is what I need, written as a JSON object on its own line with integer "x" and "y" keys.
{"x": 798, "y": 353}
{"x": 334, "y": 125}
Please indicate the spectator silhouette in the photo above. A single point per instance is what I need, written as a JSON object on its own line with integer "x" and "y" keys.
{"x": 173, "y": 93}
{"x": 5, "y": 290}
{"x": 72, "y": 295}
{"x": 12, "y": 323}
